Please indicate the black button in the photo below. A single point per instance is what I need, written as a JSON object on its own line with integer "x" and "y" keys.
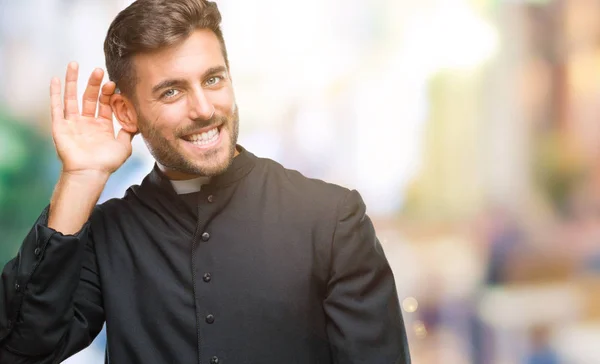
{"x": 37, "y": 251}
{"x": 205, "y": 236}
{"x": 211, "y": 198}
{"x": 210, "y": 319}
{"x": 17, "y": 287}
{"x": 214, "y": 360}
{"x": 206, "y": 277}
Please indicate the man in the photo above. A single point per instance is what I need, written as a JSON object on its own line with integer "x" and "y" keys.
{"x": 218, "y": 256}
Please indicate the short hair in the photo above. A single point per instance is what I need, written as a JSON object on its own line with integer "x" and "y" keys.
{"x": 149, "y": 25}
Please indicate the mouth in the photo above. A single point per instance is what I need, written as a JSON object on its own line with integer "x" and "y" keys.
{"x": 205, "y": 138}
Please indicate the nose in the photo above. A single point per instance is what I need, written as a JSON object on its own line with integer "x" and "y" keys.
{"x": 200, "y": 106}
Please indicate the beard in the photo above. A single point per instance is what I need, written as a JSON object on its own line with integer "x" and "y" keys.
{"x": 172, "y": 153}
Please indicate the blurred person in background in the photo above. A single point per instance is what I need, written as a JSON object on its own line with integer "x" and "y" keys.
{"x": 542, "y": 350}
{"x": 218, "y": 256}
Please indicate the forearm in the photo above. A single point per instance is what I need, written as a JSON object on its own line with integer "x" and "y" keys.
{"x": 52, "y": 277}
{"x": 73, "y": 200}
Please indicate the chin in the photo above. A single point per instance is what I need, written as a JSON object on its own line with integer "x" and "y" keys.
{"x": 212, "y": 169}
{"x": 214, "y": 162}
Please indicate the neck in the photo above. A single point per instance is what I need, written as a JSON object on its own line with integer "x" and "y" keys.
{"x": 176, "y": 175}
{"x": 181, "y": 176}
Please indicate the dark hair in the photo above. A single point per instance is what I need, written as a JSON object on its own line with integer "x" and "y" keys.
{"x": 149, "y": 25}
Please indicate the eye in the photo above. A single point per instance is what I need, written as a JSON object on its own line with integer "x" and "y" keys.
{"x": 213, "y": 80}
{"x": 169, "y": 93}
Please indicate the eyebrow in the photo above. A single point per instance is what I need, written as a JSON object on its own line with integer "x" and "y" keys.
{"x": 179, "y": 82}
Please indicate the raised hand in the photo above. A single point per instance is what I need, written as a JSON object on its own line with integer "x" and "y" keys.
{"x": 85, "y": 141}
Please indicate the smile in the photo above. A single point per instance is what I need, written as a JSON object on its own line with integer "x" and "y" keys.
{"x": 207, "y": 137}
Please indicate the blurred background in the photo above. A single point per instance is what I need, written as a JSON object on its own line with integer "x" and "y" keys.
{"x": 469, "y": 127}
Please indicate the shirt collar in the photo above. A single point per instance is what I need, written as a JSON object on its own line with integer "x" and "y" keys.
{"x": 189, "y": 185}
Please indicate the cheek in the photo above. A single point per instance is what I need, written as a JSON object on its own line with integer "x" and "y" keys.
{"x": 167, "y": 118}
{"x": 223, "y": 100}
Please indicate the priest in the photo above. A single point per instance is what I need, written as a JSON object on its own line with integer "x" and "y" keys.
{"x": 218, "y": 256}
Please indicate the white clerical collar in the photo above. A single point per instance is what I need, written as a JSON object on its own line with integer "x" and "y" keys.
{"x": 189, "y": 185}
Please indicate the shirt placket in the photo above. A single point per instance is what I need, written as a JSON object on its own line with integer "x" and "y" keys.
{"x": 200, "y": 275}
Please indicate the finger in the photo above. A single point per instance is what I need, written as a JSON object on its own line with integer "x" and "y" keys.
{"x": 104, "y": 108}
{"x": 57, "y": 111}
{"x": 71, "y": 108}
{"x": 90, "y": 95}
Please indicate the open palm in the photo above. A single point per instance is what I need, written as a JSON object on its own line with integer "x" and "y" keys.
{"x": 86, "y": 141}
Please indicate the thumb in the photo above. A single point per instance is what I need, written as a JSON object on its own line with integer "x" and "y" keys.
{"x": 124, "y": 137}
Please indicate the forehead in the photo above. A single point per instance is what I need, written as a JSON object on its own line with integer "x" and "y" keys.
{"x": 187, "y": 59}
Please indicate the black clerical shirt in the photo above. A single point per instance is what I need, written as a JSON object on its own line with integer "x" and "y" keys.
{"x": 267, "y": 266}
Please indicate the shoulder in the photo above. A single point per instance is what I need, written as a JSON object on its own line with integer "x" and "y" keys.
{"x": 310, "y": 193}
{"x": 113, "y": 209}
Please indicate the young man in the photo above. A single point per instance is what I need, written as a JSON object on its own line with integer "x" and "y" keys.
{"x": 218, "y": 256}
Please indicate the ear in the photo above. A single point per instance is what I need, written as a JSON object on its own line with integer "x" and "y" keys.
{"x": 125, "y": 113}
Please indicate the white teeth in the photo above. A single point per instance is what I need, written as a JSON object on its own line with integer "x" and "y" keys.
{"x": 205, "y": 138}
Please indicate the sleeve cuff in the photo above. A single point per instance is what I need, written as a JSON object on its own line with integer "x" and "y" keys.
{"x": 29, "y": 272}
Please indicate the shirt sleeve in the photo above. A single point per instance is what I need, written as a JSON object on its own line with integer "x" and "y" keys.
{"x": 365, "y": 324}
{"x": 50, "y": 297}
